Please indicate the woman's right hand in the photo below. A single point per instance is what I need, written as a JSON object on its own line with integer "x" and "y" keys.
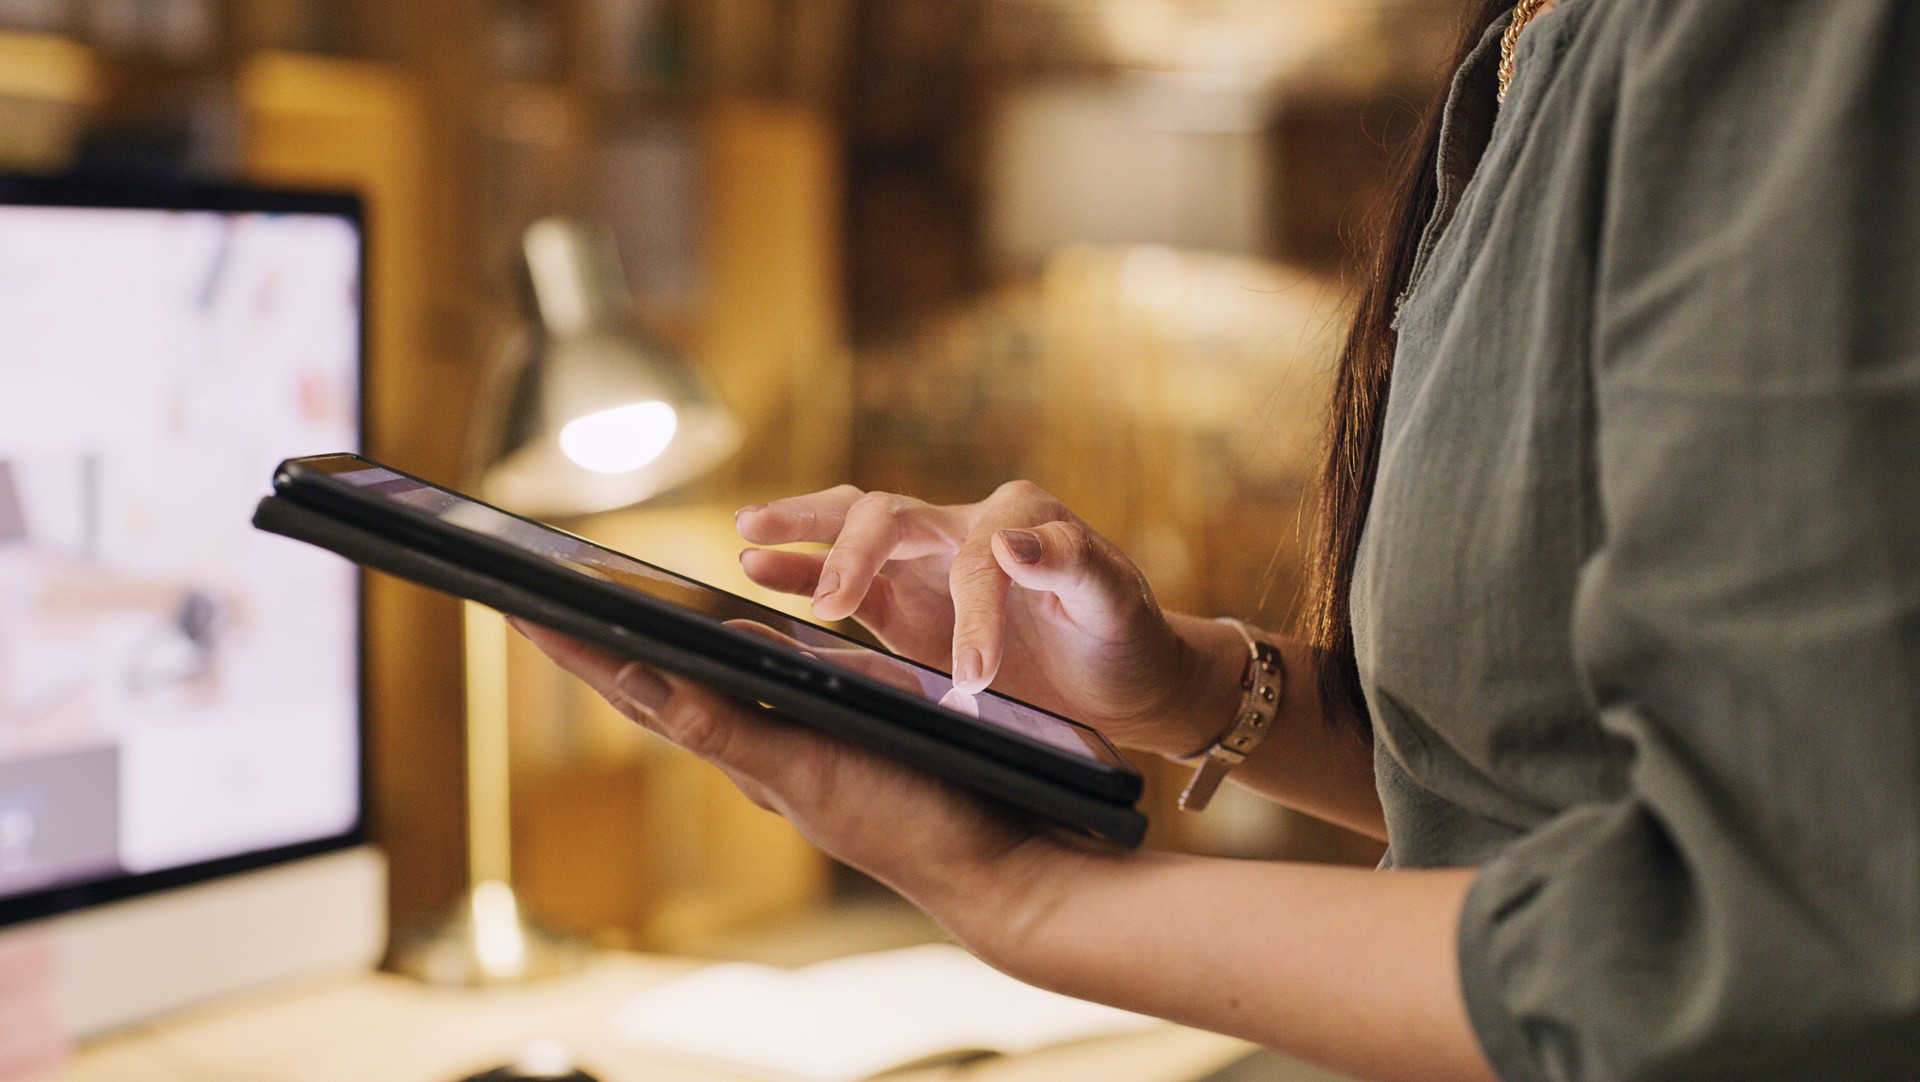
{"x": 1016, "y": 591}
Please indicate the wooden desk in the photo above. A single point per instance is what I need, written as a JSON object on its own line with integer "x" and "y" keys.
{"x": 381, "y": 1028}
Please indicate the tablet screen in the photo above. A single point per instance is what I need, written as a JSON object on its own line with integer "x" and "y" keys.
{"x": 738, "y": 612}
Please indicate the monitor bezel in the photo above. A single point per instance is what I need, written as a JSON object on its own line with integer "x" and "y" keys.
{"x": 28, "y": 190}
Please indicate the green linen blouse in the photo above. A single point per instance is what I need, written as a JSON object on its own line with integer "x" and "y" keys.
{"x": 1637, "y": 606}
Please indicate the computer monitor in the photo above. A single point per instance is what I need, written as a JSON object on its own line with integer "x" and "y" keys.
{"x": 181, "y": 737}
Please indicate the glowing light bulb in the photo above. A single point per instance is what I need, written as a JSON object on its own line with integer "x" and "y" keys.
{"x": 620, "y": 439}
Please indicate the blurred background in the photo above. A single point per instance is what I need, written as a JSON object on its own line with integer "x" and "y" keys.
{"x": 921, "y": 245}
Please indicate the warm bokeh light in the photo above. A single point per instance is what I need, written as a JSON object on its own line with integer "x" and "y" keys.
{"x": 673, "y": 257}
{"x": 620, "y": 439}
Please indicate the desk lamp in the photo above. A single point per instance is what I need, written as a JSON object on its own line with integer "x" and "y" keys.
{"x": 587, "y": 413}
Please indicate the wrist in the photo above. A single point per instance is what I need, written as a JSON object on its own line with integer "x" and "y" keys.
{"x": 1204, "y": 708}
{"x": 1261, "y": 686}
{"x": 977, "y": 901}
{"x": 999, "y": 921}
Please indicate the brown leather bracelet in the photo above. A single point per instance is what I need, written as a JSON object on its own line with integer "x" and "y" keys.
{"x": 1260, "y": 687}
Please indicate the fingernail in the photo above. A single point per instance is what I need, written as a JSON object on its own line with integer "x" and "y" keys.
{"x": 517, "y": 624}
{"x": 748, "y": 510}
{"x": 1024, "y": 544}
{"x": 642, "y": 687}
{"x": 829, "y": 582}
{"x": 967, "y": 665}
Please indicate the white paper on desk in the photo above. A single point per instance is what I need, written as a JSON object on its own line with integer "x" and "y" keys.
{"x": 853, "y": 1018}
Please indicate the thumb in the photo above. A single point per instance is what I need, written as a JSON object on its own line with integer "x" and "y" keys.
{"x": 1098, "y": 587}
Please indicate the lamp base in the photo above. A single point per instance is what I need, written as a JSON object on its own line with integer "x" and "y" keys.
{"x": 486, "y": 939}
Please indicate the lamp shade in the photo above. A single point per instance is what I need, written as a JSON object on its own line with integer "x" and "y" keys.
{"x": 590, "y": 412}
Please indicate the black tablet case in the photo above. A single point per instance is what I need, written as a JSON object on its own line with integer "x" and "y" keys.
{"x": 1114, "y": 822}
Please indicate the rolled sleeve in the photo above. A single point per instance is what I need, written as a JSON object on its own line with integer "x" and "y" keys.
{"x": 1750, "y": 622}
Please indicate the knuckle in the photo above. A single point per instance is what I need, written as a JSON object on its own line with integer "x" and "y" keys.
{"x": 1026, "y": 504}
{"x": 974, "y": 563}
{"x": 1084, "y": 550}
{"x": 977, "y": 597}
{"x": 974, "y": 631}
{"x": 1068, "y": 545}
{"x": 699, "y": 729}
{"x": 880, "y": 503}
{"x": 1019, "y": 490}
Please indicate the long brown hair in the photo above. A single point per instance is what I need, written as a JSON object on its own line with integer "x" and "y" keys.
{"x": 1359, "y": 402}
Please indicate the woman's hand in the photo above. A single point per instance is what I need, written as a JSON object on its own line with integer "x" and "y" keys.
{"x": 1015, "y": 590}
{"x": 1338, "y": 964}
{"x": 948, "y": 852}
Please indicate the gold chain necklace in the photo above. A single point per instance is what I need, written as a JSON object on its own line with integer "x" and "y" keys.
{"x": 1523, "y": 13}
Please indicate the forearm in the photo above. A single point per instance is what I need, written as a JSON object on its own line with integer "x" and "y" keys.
{"x": 1350, "y": 968}
{"x": 1305, "y": 763}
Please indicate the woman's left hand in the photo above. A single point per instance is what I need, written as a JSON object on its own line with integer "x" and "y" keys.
{"x": 928, "y": 839}
{"x": 1341, "y": 964}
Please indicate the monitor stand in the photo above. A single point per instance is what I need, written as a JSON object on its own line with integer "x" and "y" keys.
{"x": 128, "y": 961}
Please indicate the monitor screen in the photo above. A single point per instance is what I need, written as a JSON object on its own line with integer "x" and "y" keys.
{"x": 179, "y": 695}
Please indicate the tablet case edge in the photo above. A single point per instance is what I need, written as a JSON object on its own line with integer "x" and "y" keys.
{"x": 1121, "y": 824}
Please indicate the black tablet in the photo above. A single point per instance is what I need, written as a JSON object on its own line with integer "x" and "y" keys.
{"x": 1025, "y": 757}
